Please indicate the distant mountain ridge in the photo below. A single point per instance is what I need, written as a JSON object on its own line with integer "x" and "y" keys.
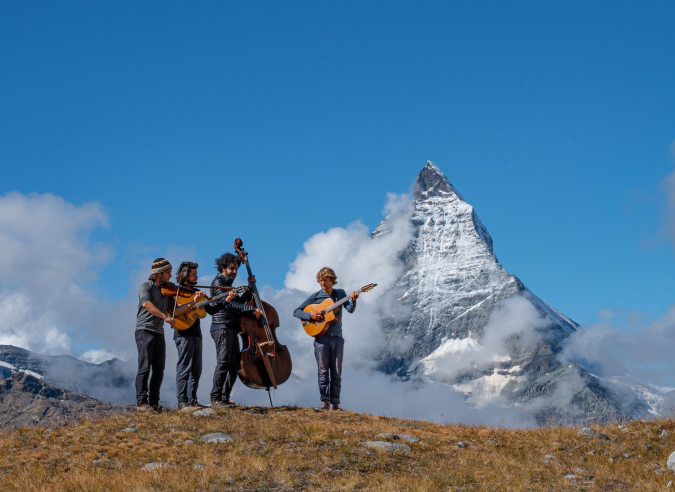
{"x": 111, "y": 381}
{"x": 27, "y": 400}
{"x": 451, "y": 287}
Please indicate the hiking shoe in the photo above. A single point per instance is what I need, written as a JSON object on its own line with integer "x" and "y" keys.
{"x": 195, "y": 403}
{"x": 142, "y": 406}
{"x": 221, "y": 404}
{"x": 159, "y": 408}
{"x": 183, "y": 404}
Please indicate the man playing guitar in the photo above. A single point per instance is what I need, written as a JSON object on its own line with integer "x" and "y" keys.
{"x": 328, "y": 348}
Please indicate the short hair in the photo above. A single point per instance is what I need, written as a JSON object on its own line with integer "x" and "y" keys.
{"x": 184, "y": 271}
{"x": 226, "y": 259}
{"x": 326, "y": 272}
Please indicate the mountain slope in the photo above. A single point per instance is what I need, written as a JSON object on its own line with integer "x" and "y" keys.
{"x": 111, "y": 381}
{"x": 26, "y": 400}
{"x": 460, "y": 300}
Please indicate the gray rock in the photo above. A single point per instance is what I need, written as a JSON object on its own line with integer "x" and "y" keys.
{"x": 571, "y": 477}
{"x": 188, "y": 441}
{"x": 580, "y": 471}
{"x": 199, "y": 467}
{"x": 626, "y": 455}
{"x": 156, "y": 466}
{"x": 396, "y": 437}
{"x": 204, "y": 412}
{"x": 670, "y": 484}
{"x": 130, "y": 429}
{"x": 461, "y": 444}
{"x": 671, "y": 462}
{"x": 217, "y": 437}
{"x": 585, "y": 431}
{"x": 386, "y": 446}
{"x": 664, "y": 434}
{"x": 549, "y": 457}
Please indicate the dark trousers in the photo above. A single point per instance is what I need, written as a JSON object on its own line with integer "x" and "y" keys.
{"x": 328, "y": 350}
{"x": 151, "y": 355}
{"x": 188, "y": 367}
{"x": 227, "y": 362}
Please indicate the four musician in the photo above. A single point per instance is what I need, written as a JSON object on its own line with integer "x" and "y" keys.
{"x": 155, "y": 308}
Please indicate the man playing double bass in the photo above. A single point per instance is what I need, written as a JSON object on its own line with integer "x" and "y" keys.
{"x": 328, "y": 348}
{"x": 225, "y": 327}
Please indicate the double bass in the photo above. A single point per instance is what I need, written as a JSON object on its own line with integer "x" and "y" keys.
{"x": 265, "y": 362}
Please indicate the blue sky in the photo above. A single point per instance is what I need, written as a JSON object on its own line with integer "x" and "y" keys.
{"x": 193, "y": 124}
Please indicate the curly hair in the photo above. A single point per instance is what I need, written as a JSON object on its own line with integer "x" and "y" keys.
{"x": 184, "y": 271}
{"x": 227, "y": 259}
{"x": 326, "y": 272}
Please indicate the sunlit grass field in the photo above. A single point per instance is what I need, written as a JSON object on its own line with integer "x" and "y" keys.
{"x": 305, "y": 449}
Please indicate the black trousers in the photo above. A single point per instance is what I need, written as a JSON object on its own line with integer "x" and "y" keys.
{"x": 228, "y": 354}
{"x": 151, "y": 356}
{"x": 188, "y": 368}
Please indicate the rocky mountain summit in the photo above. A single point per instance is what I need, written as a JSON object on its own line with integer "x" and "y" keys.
{"x": 26, "y": 400}
{"x": 471, "y": 324}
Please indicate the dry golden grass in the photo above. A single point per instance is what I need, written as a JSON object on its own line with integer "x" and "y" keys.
{"x": 300, "y": 448}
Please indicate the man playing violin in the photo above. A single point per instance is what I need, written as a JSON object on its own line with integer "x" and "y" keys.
{"x": 154, "y": 308}
{"x": 225, "y": 327}
{"x": 328, "y": 348}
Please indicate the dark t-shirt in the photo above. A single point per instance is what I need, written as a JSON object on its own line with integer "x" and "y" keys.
{"x": 146, "y": 321}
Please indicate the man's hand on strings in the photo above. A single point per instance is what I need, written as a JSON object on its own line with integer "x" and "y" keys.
{"x": 251, "y": 279}
{"x": 316, "y": 315}
{"x": 354, "y": 295}
{"x": 171, "y": 321}
{"x": 200, "y": 295}
{"x": 257, "y": 313}
{"x": 230, "y": 295}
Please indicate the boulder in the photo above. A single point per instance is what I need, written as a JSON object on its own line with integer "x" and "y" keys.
{"x": 217, "y": 437}
{"x": 396, "y": 437}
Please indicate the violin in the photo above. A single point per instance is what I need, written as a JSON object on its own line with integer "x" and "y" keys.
{"x": 171, "y": 289}
{"x": 264, "y": 361}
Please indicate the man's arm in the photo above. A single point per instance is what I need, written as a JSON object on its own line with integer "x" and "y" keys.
{"x": 350, "y": 305}
{"x": 152, "y": 309}
{"x": 299, "y": 313}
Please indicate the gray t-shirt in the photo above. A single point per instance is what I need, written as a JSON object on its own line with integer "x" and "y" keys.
{"x": 146, "y": 321}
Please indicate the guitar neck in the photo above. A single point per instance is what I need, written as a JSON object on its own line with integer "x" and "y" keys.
{"x": 340, "y": 302}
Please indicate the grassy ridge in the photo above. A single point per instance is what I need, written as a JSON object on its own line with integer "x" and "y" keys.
{"x": 300, "y": 448}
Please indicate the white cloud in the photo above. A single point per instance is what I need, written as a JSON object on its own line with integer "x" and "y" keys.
{"x": 96, "y": 356}
{"x": 516, "y": 320}
{"x": 627, "y": 340}
{"x": 47, "y": 258}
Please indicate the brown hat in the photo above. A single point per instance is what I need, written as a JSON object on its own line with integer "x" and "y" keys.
{"x": 160, "y": 265}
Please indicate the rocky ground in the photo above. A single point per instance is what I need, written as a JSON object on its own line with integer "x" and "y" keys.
{"x": 305, "y": 449}
{"x": 26, "y": 400}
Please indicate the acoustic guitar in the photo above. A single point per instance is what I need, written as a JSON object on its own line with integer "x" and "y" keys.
{"x": 327, "y": 307}
{"x": 188, "y": 318}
